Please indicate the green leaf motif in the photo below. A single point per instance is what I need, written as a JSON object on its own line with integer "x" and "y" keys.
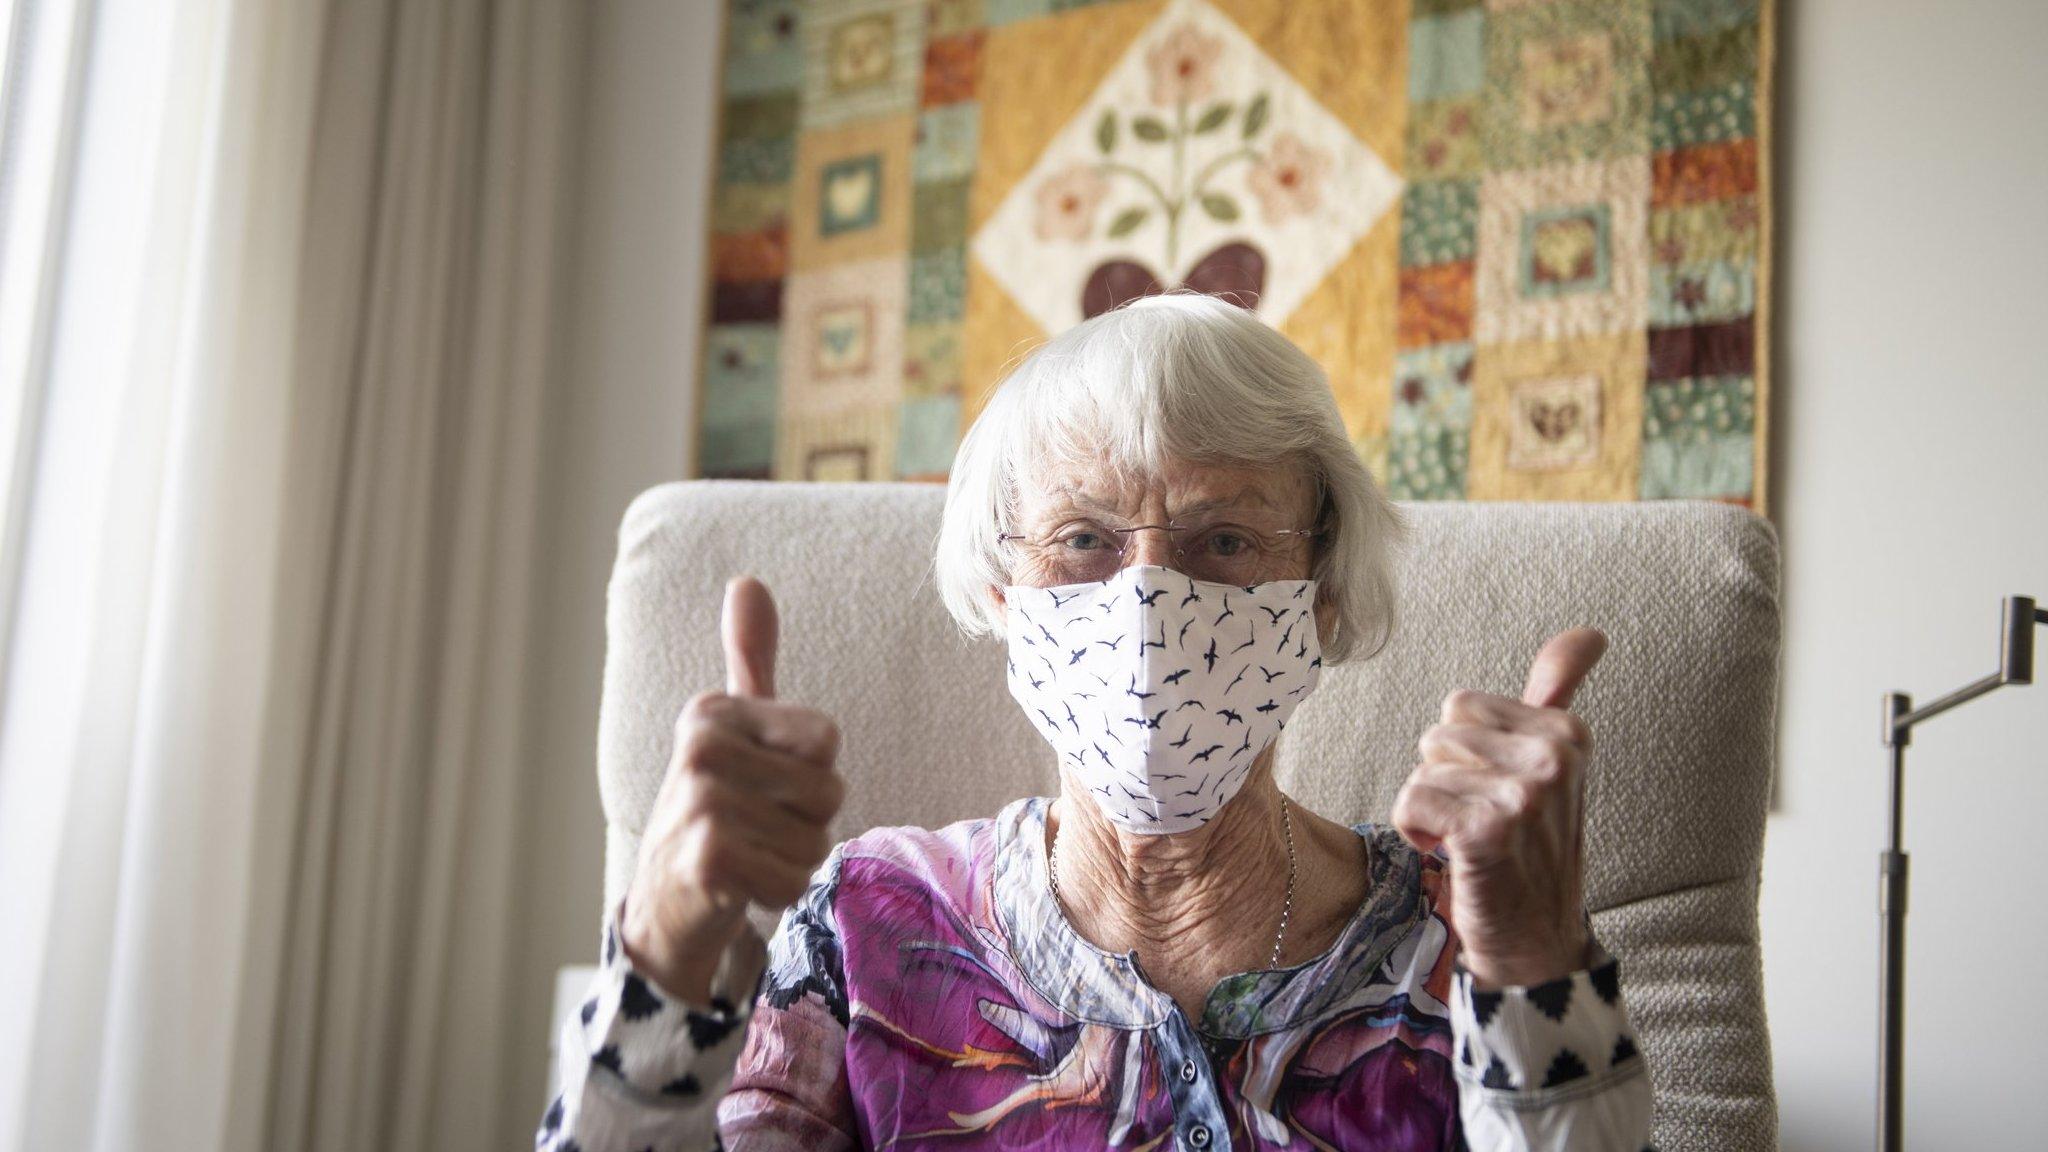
{"x": 1105, "y": 133}
{"x": 1213, "y": 118}
{"x": 1255, "y": 116}
{"x": 1219, "y": 206}
{"x": 1126, "y": 222}
{"x": 1148, "y": 129}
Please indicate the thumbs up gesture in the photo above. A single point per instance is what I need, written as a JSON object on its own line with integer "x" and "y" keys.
{"x": 1501, "y": 786}
{"x": 742, "y": 816}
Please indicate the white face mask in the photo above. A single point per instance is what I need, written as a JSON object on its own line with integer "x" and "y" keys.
{"x": 1158, "y": 691}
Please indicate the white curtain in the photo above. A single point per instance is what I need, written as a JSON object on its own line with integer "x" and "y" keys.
{"x": 266, "y": 568}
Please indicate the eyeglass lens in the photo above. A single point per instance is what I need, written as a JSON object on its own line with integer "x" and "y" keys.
{"x": 1221, "y": 553}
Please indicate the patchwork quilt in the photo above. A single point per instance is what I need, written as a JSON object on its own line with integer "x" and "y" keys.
{"x": 1527, "y": 239}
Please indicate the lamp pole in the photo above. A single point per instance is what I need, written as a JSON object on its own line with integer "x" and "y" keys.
{"x": 2017, "y": 618}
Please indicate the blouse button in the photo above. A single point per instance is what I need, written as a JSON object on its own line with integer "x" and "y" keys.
{"x": 1187, "y": 1071}
{"x": 1198, "y": 1135}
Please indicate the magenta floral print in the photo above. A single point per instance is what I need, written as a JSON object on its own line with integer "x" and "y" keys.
{"x": 975, "y": 1016}
{"x": 928, "y": 992}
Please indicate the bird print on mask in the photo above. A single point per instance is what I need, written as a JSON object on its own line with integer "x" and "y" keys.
{"x": 1160, "y": 642}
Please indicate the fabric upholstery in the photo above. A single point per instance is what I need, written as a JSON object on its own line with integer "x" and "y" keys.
{"x": 1682, "y": 709}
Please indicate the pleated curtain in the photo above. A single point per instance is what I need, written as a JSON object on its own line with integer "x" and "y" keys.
{"x": 264, "y": 745}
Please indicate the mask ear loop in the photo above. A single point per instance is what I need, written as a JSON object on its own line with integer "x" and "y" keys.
{"x": 1319, "y": 530}
{"x": 1319, "y": 533}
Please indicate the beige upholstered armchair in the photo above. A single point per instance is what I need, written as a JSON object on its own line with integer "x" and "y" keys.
{"x": 1682, "y": 710}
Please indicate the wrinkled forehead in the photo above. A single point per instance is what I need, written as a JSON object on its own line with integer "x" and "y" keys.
{"x": 1178, "y": 490}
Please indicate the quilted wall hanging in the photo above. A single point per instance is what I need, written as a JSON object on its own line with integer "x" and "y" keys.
{"x": 1527, "y": 239}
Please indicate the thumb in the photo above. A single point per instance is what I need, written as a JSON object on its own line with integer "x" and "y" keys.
{"x": 748, "y": 629}
{"x": 1561, "y": 665}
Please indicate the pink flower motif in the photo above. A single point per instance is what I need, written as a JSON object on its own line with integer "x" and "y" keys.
{"x": 1067, "y": 202}
{"x": 1183, "y": 66}
{"x": 1288, "y": 182}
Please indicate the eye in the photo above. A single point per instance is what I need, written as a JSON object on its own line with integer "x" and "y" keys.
{"x": 1227, "y": 542}
{"x": 1082, "y": 538}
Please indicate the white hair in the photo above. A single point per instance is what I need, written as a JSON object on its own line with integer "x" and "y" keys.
{"x": 1179, "y": 376}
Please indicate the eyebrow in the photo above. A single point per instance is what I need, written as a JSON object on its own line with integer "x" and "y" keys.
{"x": 1084, "y": 500}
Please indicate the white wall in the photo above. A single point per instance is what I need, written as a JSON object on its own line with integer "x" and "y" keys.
{"x": 1911, "y": 478}
{"x": 1912, "y": 482}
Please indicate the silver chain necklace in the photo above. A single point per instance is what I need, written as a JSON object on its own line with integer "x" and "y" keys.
{"x": 1052, "y": 871}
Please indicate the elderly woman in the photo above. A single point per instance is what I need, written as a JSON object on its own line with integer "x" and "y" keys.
{"x": 1161, "y": 513}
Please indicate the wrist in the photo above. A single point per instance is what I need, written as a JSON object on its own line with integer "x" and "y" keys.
{"x": 1569, "y": 953}
{"x": 681, "y": 959}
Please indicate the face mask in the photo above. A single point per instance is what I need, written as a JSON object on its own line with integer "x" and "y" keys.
{"x": 1158, "y": 691}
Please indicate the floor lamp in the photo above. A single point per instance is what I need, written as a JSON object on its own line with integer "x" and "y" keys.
{"x": 2015, "y": 666}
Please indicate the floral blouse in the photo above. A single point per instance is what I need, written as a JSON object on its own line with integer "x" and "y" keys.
{"x": 927, "y": 992}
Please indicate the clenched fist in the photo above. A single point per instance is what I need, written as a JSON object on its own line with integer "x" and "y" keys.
{"x": 1502, "y": 787}
{"x": 742, "y": 815}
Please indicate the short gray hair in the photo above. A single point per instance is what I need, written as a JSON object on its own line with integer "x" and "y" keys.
{"x": 1174, "y": 376}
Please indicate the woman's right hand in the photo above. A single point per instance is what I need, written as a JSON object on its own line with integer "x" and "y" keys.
{"x": 742, "y": 815}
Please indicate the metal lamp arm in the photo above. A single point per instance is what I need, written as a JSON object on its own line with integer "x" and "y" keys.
{"x": 2015, "y": 666}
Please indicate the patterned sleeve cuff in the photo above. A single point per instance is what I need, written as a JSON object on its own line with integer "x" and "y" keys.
{"x": 657, "y": 1043}
{"x": 1565, "y": 1036}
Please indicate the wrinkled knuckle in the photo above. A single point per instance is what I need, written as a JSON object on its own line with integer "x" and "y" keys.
{"x": 1432, "y": 739}
{"x": 1577, "y": 731}
{"x": 700, "y": 708}
{"x": 1562, "y": 727}
{"x": 1407, "y": 813}
{"x": 698, "y": 747}
{"x": 1554, "y": 758}
{"x": 718, "y": 808}
{"x": 1460, "y": 702}
{"x": 1525, "y": 795}
{"x": 828, "y": 737}
{"x": 1404, "y": 804}
{"x": 832, "y": 790}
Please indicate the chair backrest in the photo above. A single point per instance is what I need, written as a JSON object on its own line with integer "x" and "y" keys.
{"x": 1682, "y": 710}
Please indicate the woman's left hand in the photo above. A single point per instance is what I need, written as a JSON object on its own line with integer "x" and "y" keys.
{"x": 1501, "y": 786}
